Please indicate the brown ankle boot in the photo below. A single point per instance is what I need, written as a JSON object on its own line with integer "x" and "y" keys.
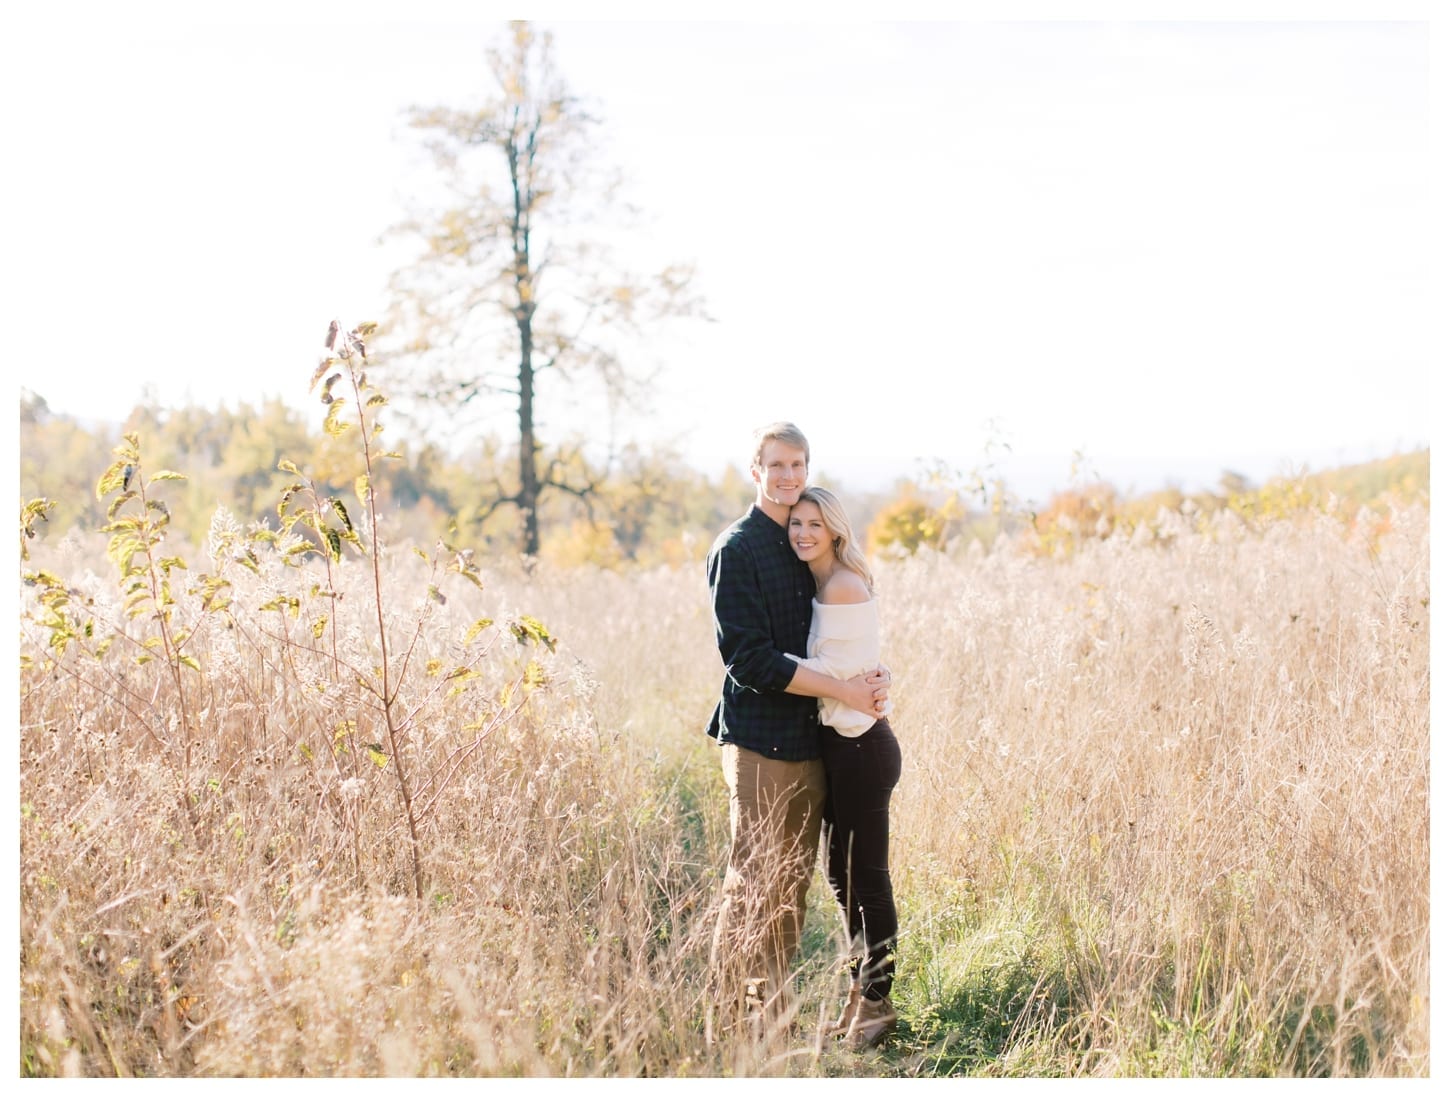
{"x": 875, "y": 1018}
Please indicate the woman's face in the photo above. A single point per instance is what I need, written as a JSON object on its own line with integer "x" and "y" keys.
{"x": 807, "y": 531}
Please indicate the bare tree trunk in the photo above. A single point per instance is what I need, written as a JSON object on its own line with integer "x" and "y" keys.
{"x": 528, "y": 448}
{"x": 521, "y": 177}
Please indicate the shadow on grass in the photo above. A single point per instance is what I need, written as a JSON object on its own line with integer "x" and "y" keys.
{"x": 1324, "y": 1042}
{"x": 993, "y": 1014}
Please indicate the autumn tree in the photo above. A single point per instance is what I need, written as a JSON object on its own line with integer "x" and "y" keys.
{"x": 516, "y": 282}
{"x": 58, "y": 458}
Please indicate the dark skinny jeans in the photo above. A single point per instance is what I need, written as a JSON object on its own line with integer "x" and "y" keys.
{"x": 861, "y": 772}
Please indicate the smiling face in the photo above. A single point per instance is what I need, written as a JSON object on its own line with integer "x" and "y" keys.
{"x": 808, "y": 534}
{"x": 779, "y": 474}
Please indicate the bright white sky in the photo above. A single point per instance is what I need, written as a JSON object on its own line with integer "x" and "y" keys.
{"x": 1176, "y": 247}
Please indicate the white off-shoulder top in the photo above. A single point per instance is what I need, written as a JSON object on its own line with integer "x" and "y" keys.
{"x": 845, "y": 641}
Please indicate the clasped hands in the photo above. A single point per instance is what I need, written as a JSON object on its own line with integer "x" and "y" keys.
{"x": 878, "y": 683}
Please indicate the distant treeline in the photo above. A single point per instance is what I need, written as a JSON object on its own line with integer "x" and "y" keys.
{"x": 644, "y": 507}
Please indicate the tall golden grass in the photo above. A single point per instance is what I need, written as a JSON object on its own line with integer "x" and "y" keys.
{"x": 1164, "y": 812}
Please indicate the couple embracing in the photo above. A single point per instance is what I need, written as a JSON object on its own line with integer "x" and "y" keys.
{"x": 805, "y": 745}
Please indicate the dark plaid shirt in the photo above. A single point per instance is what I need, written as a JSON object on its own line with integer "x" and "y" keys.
{"x": 761, "y": 592}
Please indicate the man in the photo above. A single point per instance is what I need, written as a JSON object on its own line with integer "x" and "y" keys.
{"x": 767, "y": 726}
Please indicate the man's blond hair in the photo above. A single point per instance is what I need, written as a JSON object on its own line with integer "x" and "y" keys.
{"x": 780, "y": 431}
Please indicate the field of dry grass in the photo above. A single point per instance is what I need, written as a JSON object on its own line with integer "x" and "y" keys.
{"x": 1164, "y": 812}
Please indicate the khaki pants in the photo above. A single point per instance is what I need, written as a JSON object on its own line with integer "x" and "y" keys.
{"x": 775, "y": 823}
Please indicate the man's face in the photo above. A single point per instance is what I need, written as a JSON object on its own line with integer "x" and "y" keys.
{"x": 781, "y": 473}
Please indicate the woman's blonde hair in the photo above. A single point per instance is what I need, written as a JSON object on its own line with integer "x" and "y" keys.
{"x": 843, "y": 541}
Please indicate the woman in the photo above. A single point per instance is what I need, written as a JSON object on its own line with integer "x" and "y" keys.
{"x": 862, "y": 758}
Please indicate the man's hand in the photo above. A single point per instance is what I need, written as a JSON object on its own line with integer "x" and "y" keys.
{"x": 867, "y": 693}
{"x": 880, "y": 679}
